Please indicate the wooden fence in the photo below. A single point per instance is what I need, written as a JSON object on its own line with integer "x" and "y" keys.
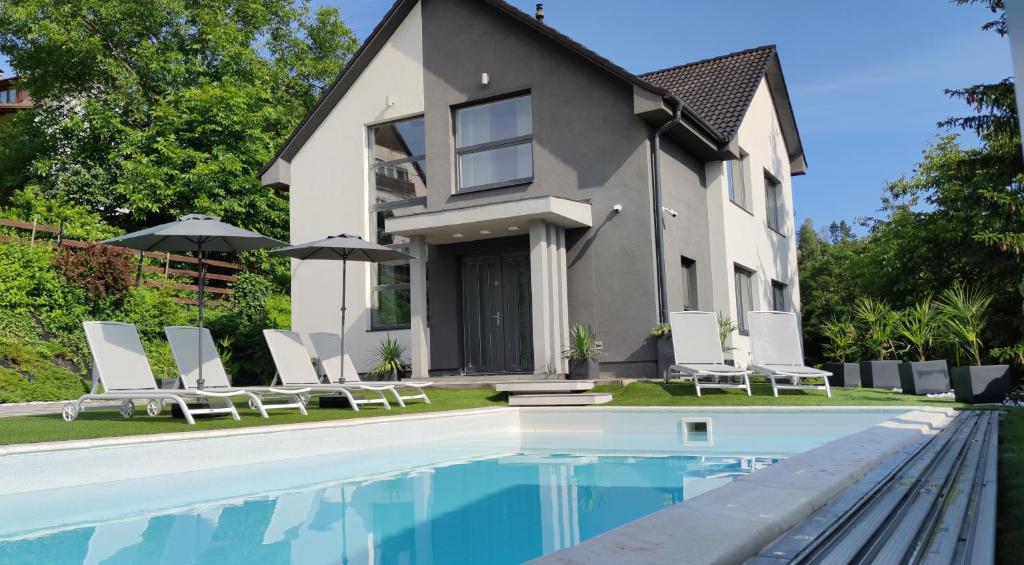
{"x": 219, "y": 274}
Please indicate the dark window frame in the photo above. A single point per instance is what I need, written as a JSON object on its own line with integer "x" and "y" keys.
{"x": 773, "y": 206}
{"x": 744, "y": 202}
{"x": 690, "y": 298}
{"x": 491, "y": 145}
{"x": 781, "y": 287}
{"x": 748, "y": 275}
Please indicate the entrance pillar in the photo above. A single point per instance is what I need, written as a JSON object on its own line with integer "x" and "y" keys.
{"x": 419, "y": 349}
{"x": 548, "y": 292}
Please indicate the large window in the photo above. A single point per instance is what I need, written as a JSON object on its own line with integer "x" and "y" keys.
{"x": 494, "y": 143}
{"x": 773, "y": 202}
{"x": 736, "y": 177}
{"x": 399, "y": 177}
{"x": 778, "y": 296}
{"x": 689, "y": 283}
{"x": 744, "y": 283}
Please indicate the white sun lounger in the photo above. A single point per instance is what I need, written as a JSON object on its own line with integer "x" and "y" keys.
{"x": 776, "y": 351}
{"x": 697, "y": 349}
{"x": 295, "y": 370}
{"x": 328, "y": 349}
{"x": 184, "y": 344}
{"x": 120, "y": 366}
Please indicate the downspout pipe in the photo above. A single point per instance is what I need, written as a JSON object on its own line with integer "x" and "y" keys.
{"x": 659, "y": 216}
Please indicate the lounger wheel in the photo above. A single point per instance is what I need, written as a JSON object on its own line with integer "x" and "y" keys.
{"x": 70, "y": 411}
{"x": 153, "y": 407}
{"x": 127, "y": 409}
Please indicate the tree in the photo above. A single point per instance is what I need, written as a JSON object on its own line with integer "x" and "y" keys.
{"x": 147, "y": 110}
{"x": 958, "y": 218}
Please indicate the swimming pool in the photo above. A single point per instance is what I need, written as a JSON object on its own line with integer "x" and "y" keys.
{"x": 491, "y": 494}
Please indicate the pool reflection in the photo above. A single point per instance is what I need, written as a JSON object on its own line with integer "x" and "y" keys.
{"x": 504, "y": 510}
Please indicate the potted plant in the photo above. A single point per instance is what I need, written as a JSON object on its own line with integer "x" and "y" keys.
{"x": 963, "y": 315}
{"x": 389, "y": 360}
{"x": 662, "y": 334}
{"x": 919, "y": 326}
{"x": 726, "y": 326}
{"x": 878, "y": 322}
{"x": 582, "y": 353}
{"x": 842, "y": 343}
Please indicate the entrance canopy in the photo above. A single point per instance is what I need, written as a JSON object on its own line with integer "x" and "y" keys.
{"x": 484, "y": 221}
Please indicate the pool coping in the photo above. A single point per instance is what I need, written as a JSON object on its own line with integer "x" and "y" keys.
{"x": 117, "y": 441}
{"x": 756, "y": 509}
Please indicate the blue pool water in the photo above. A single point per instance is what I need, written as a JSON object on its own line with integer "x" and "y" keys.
{"x": 501, "y": 509}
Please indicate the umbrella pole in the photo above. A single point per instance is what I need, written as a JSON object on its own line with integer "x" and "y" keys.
{"x": 344, "y": 284}
{"x": 199, "y": 334}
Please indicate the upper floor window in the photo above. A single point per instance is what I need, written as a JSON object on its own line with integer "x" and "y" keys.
{"x": 736, "y": 177}
{"x": 398, "y": 163}
{"x": 778, "y": 296}
{"x": 773, "y": 201}
{"x": 743, "y": 280}
{"x": 494, "y": 143}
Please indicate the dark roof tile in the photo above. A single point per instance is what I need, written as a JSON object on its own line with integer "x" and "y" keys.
{"x": 718, "y": 89}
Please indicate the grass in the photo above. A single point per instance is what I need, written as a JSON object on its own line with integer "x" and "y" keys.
{"x": 106, "y": 422}
{"x": 1010, "y": 518}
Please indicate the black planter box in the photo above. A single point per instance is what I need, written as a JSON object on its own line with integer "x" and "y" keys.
{"x": 588, "y": 369}
{"x": 976, "y": 385}
{"x": 846, "y": 375}
{"x": 924, "y": 377}
{"x": 880, "y": 374}
{"x": 666, "y": 355}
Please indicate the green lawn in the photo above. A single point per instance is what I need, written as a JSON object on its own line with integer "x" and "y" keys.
{"x": 1010, "y": 520}
{"x": 107, "y": 423}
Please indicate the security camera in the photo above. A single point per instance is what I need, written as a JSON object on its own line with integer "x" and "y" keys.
{"x": 670, "y": 212}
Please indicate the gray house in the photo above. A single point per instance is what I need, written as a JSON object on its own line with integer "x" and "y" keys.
{"x": 538, "y": 185}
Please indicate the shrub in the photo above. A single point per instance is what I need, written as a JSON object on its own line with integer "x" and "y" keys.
{"x": 388, "y": 358}
{"x": 842, "y": 339}
{"x": 255, "y": 308}
{"x": 920, "y": 325}
{"x": 879, "y": 325}
{"x": 963, "y": 311}
{"x": 582, "y": 343}
{"x": 102, "y": 271}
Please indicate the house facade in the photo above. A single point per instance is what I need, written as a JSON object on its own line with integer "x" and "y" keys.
{"x": 531, "y": 178}
{"x": 13, "y": 99}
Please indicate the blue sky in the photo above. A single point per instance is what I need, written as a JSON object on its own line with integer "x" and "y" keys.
{"x": 865, "y": 77}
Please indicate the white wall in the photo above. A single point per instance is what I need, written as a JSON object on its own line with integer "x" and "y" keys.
{"x": 330, "y": 190}
{"x": 744, "y": 237}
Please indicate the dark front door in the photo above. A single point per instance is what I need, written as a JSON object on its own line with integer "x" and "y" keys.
{"x": 496, "y": 326}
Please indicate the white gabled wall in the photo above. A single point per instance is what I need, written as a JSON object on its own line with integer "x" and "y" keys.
{"x": 738, "y": 236}
{"x": 330, "y": 190}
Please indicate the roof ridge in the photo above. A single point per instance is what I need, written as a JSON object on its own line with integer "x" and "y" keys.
{"x": 770, "y": 46}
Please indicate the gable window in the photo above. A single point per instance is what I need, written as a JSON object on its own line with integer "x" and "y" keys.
{"x": 773, "y": 201}
{"x": 778, "y": 296}
{"x": 736, "y": 178}
{"x": 494, "y": 143}
{"x": 399, "y": 179}
{"x": 689, "y": 283}
{"x": 743, "y": 279}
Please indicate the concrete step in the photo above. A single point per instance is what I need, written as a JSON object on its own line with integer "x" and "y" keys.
{"x": 571, "y": 399}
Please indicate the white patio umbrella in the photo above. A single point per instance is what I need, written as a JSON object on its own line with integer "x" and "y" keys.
{"x": 201, "y": 234}
{"x": 343, "y": 247}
